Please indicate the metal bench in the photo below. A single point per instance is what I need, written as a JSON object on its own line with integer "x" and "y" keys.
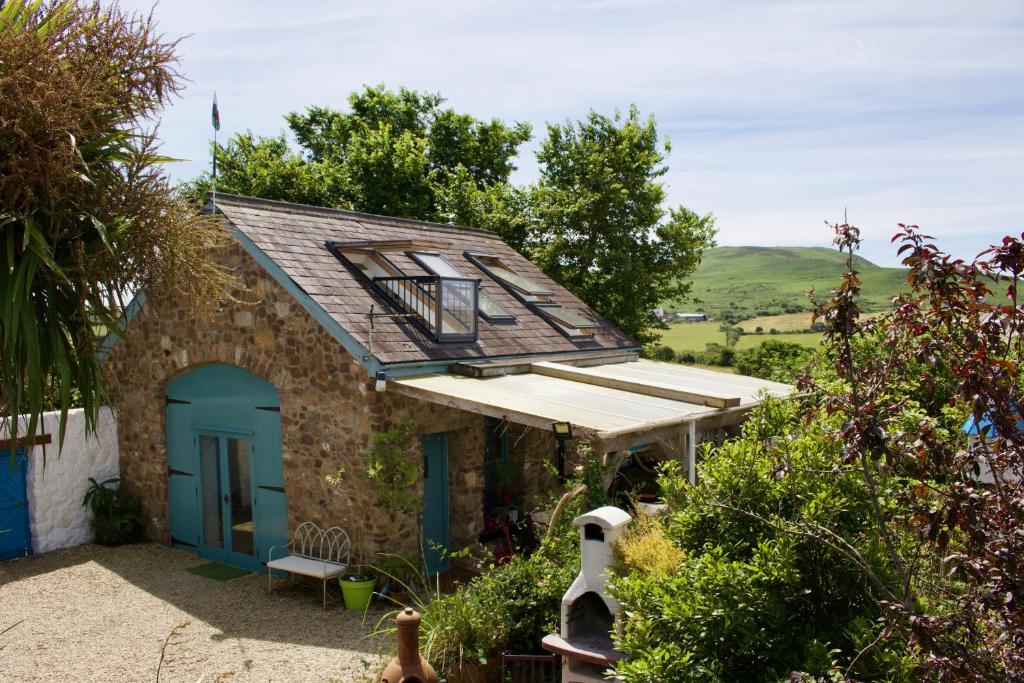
{"x": 319, "y": 553}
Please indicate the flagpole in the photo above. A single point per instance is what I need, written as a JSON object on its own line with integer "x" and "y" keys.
{"x": 214, "y": 170}
{"x": 215, "y": 115}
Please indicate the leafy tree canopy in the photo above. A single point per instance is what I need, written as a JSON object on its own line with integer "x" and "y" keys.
{"x": 394, "y": 153}
{"x": 86, "y": 214}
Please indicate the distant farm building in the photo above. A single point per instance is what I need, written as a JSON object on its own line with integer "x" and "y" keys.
{"x": 674, "y": 317}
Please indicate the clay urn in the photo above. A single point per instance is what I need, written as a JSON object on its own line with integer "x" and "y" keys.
{"x": 408, "y": 666}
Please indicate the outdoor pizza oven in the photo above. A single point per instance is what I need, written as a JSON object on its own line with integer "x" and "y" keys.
{"x": 589, "y": 615}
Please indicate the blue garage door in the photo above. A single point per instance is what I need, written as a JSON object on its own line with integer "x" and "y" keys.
{"x": 14, "y": 534}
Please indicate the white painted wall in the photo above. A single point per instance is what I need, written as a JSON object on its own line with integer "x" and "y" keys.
{"x": 57, "y": 483}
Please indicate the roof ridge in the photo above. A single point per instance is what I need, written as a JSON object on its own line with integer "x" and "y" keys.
{"x": 292, "y": 207}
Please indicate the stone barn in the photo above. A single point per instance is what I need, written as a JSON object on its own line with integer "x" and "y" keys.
{"x": 345, "y": 324}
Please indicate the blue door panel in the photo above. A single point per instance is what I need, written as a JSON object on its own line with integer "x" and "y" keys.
{"x": 271, "y": 505}
{"x": 15, "y": 539}
{"x": 436, "y": 540}
{"x": 182, "y": 473}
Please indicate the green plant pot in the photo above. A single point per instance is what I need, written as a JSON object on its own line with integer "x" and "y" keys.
{"x": 357, "y": 594}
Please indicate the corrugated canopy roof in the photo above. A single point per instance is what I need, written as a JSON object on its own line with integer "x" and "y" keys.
{"x": 607, "y": 400}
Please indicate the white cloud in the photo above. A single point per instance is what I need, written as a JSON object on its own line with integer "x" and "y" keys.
{"x": 780, "y": 113}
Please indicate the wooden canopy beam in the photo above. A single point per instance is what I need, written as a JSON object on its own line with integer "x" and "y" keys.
{"x": 644, "y": 387}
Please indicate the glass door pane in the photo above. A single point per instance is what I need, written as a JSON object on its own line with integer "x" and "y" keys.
{"x": 209, "y": 467}
{"x": 240, "y": 481}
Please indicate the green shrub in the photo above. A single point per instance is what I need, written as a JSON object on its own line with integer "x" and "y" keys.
{"x": 756, "y": 597}
{"x": 778, "y": 361}
{"x": 663, "y": 353}
{"x": 645, "y": 550}
{"x": 116, "y": 516}
{"x": 508, "y": 608}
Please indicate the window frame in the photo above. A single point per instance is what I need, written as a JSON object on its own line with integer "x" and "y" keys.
{"x": 434, "y": 304}
{"x": 506, "y": 317}
{"x": 538, "y": 300}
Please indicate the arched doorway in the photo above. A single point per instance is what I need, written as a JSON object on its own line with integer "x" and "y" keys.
{"x": 226, "y": 480}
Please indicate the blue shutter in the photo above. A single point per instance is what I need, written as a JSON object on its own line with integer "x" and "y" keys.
{"x": 182, "y": 471}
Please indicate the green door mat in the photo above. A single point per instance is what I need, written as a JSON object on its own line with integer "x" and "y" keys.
{"x": 217, "y": 571}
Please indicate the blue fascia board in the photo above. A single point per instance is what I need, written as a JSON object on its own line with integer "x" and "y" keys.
{"x": 130, "y": 311}
{"x": 332, "y": 326}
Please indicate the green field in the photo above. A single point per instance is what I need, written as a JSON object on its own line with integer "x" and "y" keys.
{"x": 682, "y": 337}
{"x": 747, "y": 282}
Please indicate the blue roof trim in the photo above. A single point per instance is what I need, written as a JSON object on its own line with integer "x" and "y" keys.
{"x": 332, "y": 326}
{"x": 130, "y": 311}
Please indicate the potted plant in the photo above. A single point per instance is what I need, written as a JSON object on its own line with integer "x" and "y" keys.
{"x": 357, "y": 587}
{"x": 116, "y": 517}
{"x": 392, "y": 475}
{"x": 399, "y": 573}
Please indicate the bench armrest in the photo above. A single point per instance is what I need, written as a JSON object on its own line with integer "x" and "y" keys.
{"x": 270, "y": 553}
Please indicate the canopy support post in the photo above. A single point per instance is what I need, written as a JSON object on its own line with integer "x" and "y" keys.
{"x": 691, "y": 452}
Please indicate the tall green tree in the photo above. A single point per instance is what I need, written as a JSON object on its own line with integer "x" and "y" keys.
{"x": 393, "y": 153}
{"x": 603, "y": 230}
{"x": 86, "y": 214}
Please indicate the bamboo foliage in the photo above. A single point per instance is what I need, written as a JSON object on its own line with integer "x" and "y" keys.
{"x": 87, "y": 216}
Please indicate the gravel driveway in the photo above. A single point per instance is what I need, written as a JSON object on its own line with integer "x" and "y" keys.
{"x": 103, "y": 614}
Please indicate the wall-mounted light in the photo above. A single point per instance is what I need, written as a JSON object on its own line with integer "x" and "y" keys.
{"x": 563, "y": 432}
{"x": 382, "y": 381}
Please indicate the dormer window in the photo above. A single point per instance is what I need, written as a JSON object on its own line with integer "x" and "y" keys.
{"x": 445, "y": 307}
{"x": 537, "y": 297}
{"x": 434, "y": 263}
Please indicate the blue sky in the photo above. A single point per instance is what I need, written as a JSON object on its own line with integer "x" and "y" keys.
{"x": 780, "y": 114}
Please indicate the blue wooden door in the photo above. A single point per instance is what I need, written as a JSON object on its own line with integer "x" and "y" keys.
{"x": 226, "y": 487}
{"x": 15, "y": 540}
{"x": 436, "y": 540}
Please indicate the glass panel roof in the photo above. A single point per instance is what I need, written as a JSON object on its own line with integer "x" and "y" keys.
{"x": 568, "y": 317}
{"x": 500, "y": 270}
{"x": 438, "y": 265}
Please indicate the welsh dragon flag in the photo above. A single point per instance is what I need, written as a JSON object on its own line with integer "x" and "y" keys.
{"x": 215, "y": 113}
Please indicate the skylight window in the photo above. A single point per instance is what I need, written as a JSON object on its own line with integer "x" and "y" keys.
{"x": 537, "y": 297}
{"x": 445, "y": 306}
{"x": 571, "y": 323}
{"x": 500, "y": 271}
{"x": 438, "y": 265}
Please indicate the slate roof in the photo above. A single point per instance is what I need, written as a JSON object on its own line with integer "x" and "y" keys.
{"x": 294, "y": 237}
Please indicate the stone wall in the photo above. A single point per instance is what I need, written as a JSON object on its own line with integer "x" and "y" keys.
{"x": 328, "y": 409}
{"x": 58, "y": 479}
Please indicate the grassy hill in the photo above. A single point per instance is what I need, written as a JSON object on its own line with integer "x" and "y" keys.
{"x": 747, "y": 282}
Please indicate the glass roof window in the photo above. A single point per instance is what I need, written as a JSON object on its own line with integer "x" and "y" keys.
{"x": 570, "y": 322}
{"x": 536, "y": 297}
{"x": 438, "y": 265}
{"x": 446, "y": 306}
{"x": 525, "y": 288}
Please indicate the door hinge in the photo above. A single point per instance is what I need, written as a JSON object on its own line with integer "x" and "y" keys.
{"x": 272, "y": 409}
{"x": 171, "y": 470}
{"x": 278, "y": 489}
{"x": 175, "y": 401}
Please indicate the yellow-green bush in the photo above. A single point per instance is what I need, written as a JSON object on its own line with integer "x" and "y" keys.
{"x": 645, "y": 549}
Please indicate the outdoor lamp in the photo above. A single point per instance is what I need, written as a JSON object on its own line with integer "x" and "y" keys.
{"x": 382, "y": 381}
{"x": 563, "y": 432}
